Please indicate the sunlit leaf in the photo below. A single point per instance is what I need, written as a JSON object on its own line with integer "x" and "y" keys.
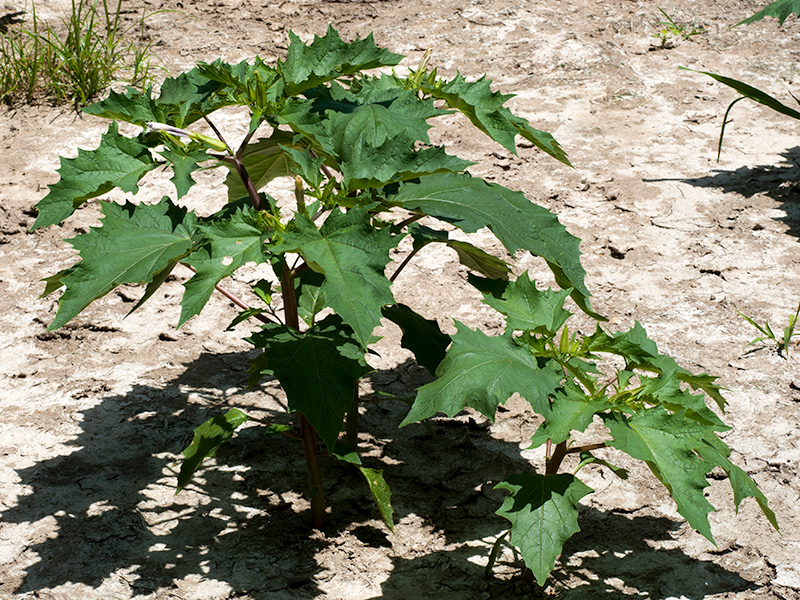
{"x": 118, "y": 161}
{"x": 133, "y": 245}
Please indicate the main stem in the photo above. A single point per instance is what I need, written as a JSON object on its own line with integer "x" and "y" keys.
{"x": 309, "y": 434}
{"x": 307, "y": 430}
{"x": 559, "y": 453}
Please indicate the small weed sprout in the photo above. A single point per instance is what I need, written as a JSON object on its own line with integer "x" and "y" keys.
{"x": 671, "y": 29}
{"x": 783, "y": 343}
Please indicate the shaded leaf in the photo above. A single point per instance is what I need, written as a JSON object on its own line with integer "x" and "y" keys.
{"x": 543, "y": 510}
{"x": 308, "y": 166}
{"x": 421, "y": 336}
{"x": 264, "y": 160}
{"x": 381, "y": 493}
{"x": 311, "y": 301}
{"x": 118, "y": 161}
{"x": 317, "y": 369}
{"x": 208, "y": 437}
{"x": 423, "y": 235}
{"x": 482, "y": 262}
{"x": 587, "y": 459}
{"x": 378, "y": 487}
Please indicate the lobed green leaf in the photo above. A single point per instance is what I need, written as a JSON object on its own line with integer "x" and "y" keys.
{"x": 184, "y": 162}
{"x": 640, "y": 352}
{"x": 484, "y": 108}
{"x": 717, "y": 453}
{"x": 527, "y": 308}
{"x": 471, "y": 204}
{"x": 482, "y": 372}
{"x": 327, "y": 58}
{"x": 352, "y": 255}
{"x": 133, "y": 245}
{"x": 183, "y": 100}
{"x": 667, "y": 443}
{"x": 118, "y": 161}
{"x": 570, "y": 410}
{"x": 780, "y": 9}
{"x": 228, "y": 242}
{"x": 317, "y": 369}
{"x": 543, "y": 510}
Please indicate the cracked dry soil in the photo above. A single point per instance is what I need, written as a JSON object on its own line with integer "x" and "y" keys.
{"x": 95, "y": 415}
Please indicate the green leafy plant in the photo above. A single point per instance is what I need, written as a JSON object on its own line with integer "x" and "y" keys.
{"x": 670, "y": 29}
{"x": 767, "y": 333}
{"x": 650, "y": 408}
{"x": 780, "y": 10}
{"x": 76, "y": 61}
{"x": 353, "y": 144}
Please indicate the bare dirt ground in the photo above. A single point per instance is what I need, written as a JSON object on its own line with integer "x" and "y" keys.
{"x": 94, "y": 416}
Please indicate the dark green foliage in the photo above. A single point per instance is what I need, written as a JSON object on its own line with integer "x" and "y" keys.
{"x": 355, "y": 147}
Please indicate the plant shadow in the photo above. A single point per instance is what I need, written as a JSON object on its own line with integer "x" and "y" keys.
{"x": 616, "y": 555}
{"x": 103, "y": 516}
{"x": 780, "y": 182}
{"x": 110, "y": 499}
{"x": 613, "y": 557}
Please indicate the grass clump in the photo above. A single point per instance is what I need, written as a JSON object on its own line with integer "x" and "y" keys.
{"x": 74, "y": 60}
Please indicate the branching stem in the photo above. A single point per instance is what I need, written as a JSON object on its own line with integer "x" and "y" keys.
{"x": 406, "y": 260}
{"x": 243, "y": 145}
{"x": 561, "y": 451}
{"x": 233, "y": 298}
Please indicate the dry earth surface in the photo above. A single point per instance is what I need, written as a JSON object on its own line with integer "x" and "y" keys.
{"x": 95, "y": 415}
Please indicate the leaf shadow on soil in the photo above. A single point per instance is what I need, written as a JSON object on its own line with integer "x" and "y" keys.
{"x": 616, "y": 555}
{"x": 780, "y": 182}
{"x": 246, "y": 528}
